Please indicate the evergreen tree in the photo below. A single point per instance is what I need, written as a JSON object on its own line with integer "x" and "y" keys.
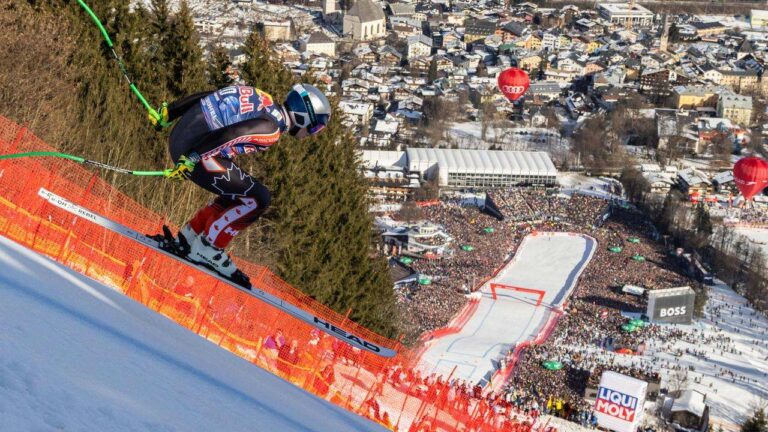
{"x": 261, "y": 69}
{"x": 161, "y": 49}
{"x": 218, "y": 66}
{"x": 756, "y": 423}
{"x": 703, "y": 221}
{"x": 432, "y": 72}
{"x": 185, "y": 61}
{"x": 319, "y": 227}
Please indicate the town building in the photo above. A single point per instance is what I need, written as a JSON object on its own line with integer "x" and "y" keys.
{"x": 319, "y": 43}
{"x": 659, "y": 82}
{"x": 690, "y": 97}
{"x": 274, "y": 31}
{"x": 692, "y": 181}
{"x": 419, "y": 46}
{"x": 758, "y": 18}
{"x": 365, "y": 21}
{"x": 624, "y": 13}
{"x": 735, "y": 107}
{"x": 708, "y": 29}
{"x": 476, "y": 29}
{"x": 739, "y": 81}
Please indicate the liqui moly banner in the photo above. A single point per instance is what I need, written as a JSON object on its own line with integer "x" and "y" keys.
{"x": 619, "y": 404}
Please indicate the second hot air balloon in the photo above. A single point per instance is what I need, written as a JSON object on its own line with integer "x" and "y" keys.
{"x": 751, "y": 175}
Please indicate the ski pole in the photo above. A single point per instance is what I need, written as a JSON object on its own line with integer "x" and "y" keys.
{"x": 119, "y": 60}
{"x": 84, "y": 161}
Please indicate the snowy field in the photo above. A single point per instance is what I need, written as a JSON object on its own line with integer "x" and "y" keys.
{"x": 469, "y": 135}
{"x": 728, "y": 351}
{"x": 77, "y": 356}
{"x": 551, "y": 262}
{"x": 601, "y": 187}
{"x": 756, "y": 236}
{"x": 724, "y": 355}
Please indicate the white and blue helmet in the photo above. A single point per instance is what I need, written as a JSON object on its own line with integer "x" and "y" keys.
{"x": 308, "y": 109}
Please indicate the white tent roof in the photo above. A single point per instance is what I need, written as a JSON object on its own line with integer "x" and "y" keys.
{"x": 483, "y": 161}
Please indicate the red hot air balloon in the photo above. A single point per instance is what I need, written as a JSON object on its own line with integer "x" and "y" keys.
{"x": 751, "y": 175}
{"x": 513, "y": 82}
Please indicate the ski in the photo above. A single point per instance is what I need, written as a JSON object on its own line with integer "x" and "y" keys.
{"x": 265, "y": 297}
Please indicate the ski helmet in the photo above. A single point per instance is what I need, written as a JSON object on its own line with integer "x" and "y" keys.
{"x": 308, "y": 109}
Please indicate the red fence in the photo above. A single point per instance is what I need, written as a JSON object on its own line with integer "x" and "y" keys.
{"x": 386, "y": 390}
{"x": 502, "y": 375}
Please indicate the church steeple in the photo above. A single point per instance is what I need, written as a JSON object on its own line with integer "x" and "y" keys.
{"x": 664, "y": 41}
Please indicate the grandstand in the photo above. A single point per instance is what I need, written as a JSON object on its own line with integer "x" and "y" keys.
{"x": 457, "y": 169}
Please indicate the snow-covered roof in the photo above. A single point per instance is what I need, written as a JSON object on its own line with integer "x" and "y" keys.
{"x": 383, "y": 158}
{"x": 387, "y": 127}
{"x": 356, "y": 108}
{"x": 692, "y": 176}
{"x": 484, "y": 161}
{"x": 670, "y": 292}
{"x": 658, "y": 178}
{"x": 723, "y": 177}
{"x": 367, "y": 11}
{"x": 690, "y": 401}
{"x": 544, "y": 87}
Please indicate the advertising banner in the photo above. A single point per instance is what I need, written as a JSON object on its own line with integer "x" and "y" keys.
{"x": 619, "y": 403}
{"x": 674, "y": 305}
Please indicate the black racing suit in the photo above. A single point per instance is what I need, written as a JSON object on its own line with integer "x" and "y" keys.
{"x": 217, "y": 126}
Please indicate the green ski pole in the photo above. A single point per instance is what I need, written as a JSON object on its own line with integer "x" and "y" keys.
{"x": 84, "y": 161}
{"x": 119, "y": 60}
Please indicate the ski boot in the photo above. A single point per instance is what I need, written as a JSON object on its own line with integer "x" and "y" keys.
{"x": 205, "y": 254}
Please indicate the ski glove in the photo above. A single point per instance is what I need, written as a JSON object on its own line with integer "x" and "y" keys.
{"x": 184, "y": 167}
{"x": 159, "y": 118}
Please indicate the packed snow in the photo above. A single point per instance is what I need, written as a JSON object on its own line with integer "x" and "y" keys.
{"x": 75, "y": 355}
{"x": 551, "y": 262}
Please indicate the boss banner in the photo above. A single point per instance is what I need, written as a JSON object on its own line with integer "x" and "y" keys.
{"x": 674, "y": 305}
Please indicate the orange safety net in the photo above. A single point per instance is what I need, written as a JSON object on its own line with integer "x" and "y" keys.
{"x": 389, "y": 391}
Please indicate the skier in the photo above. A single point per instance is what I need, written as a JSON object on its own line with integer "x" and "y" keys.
{"x": 213, "y": 128}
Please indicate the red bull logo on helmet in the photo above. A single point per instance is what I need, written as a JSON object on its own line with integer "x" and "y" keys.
{"x": 265, "y": 100}
{"x": 616, "y": 404}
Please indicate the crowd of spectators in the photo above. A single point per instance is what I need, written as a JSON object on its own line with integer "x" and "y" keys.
{"x": 589, "y": 331}
{"x": 454, "y": 275}
{"x": 749, "y": 215}
{"x": 584, "y": 341}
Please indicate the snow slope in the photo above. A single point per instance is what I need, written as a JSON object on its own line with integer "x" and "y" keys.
{"x": 75, "y": 355}
{"x": 551, "y": 262}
